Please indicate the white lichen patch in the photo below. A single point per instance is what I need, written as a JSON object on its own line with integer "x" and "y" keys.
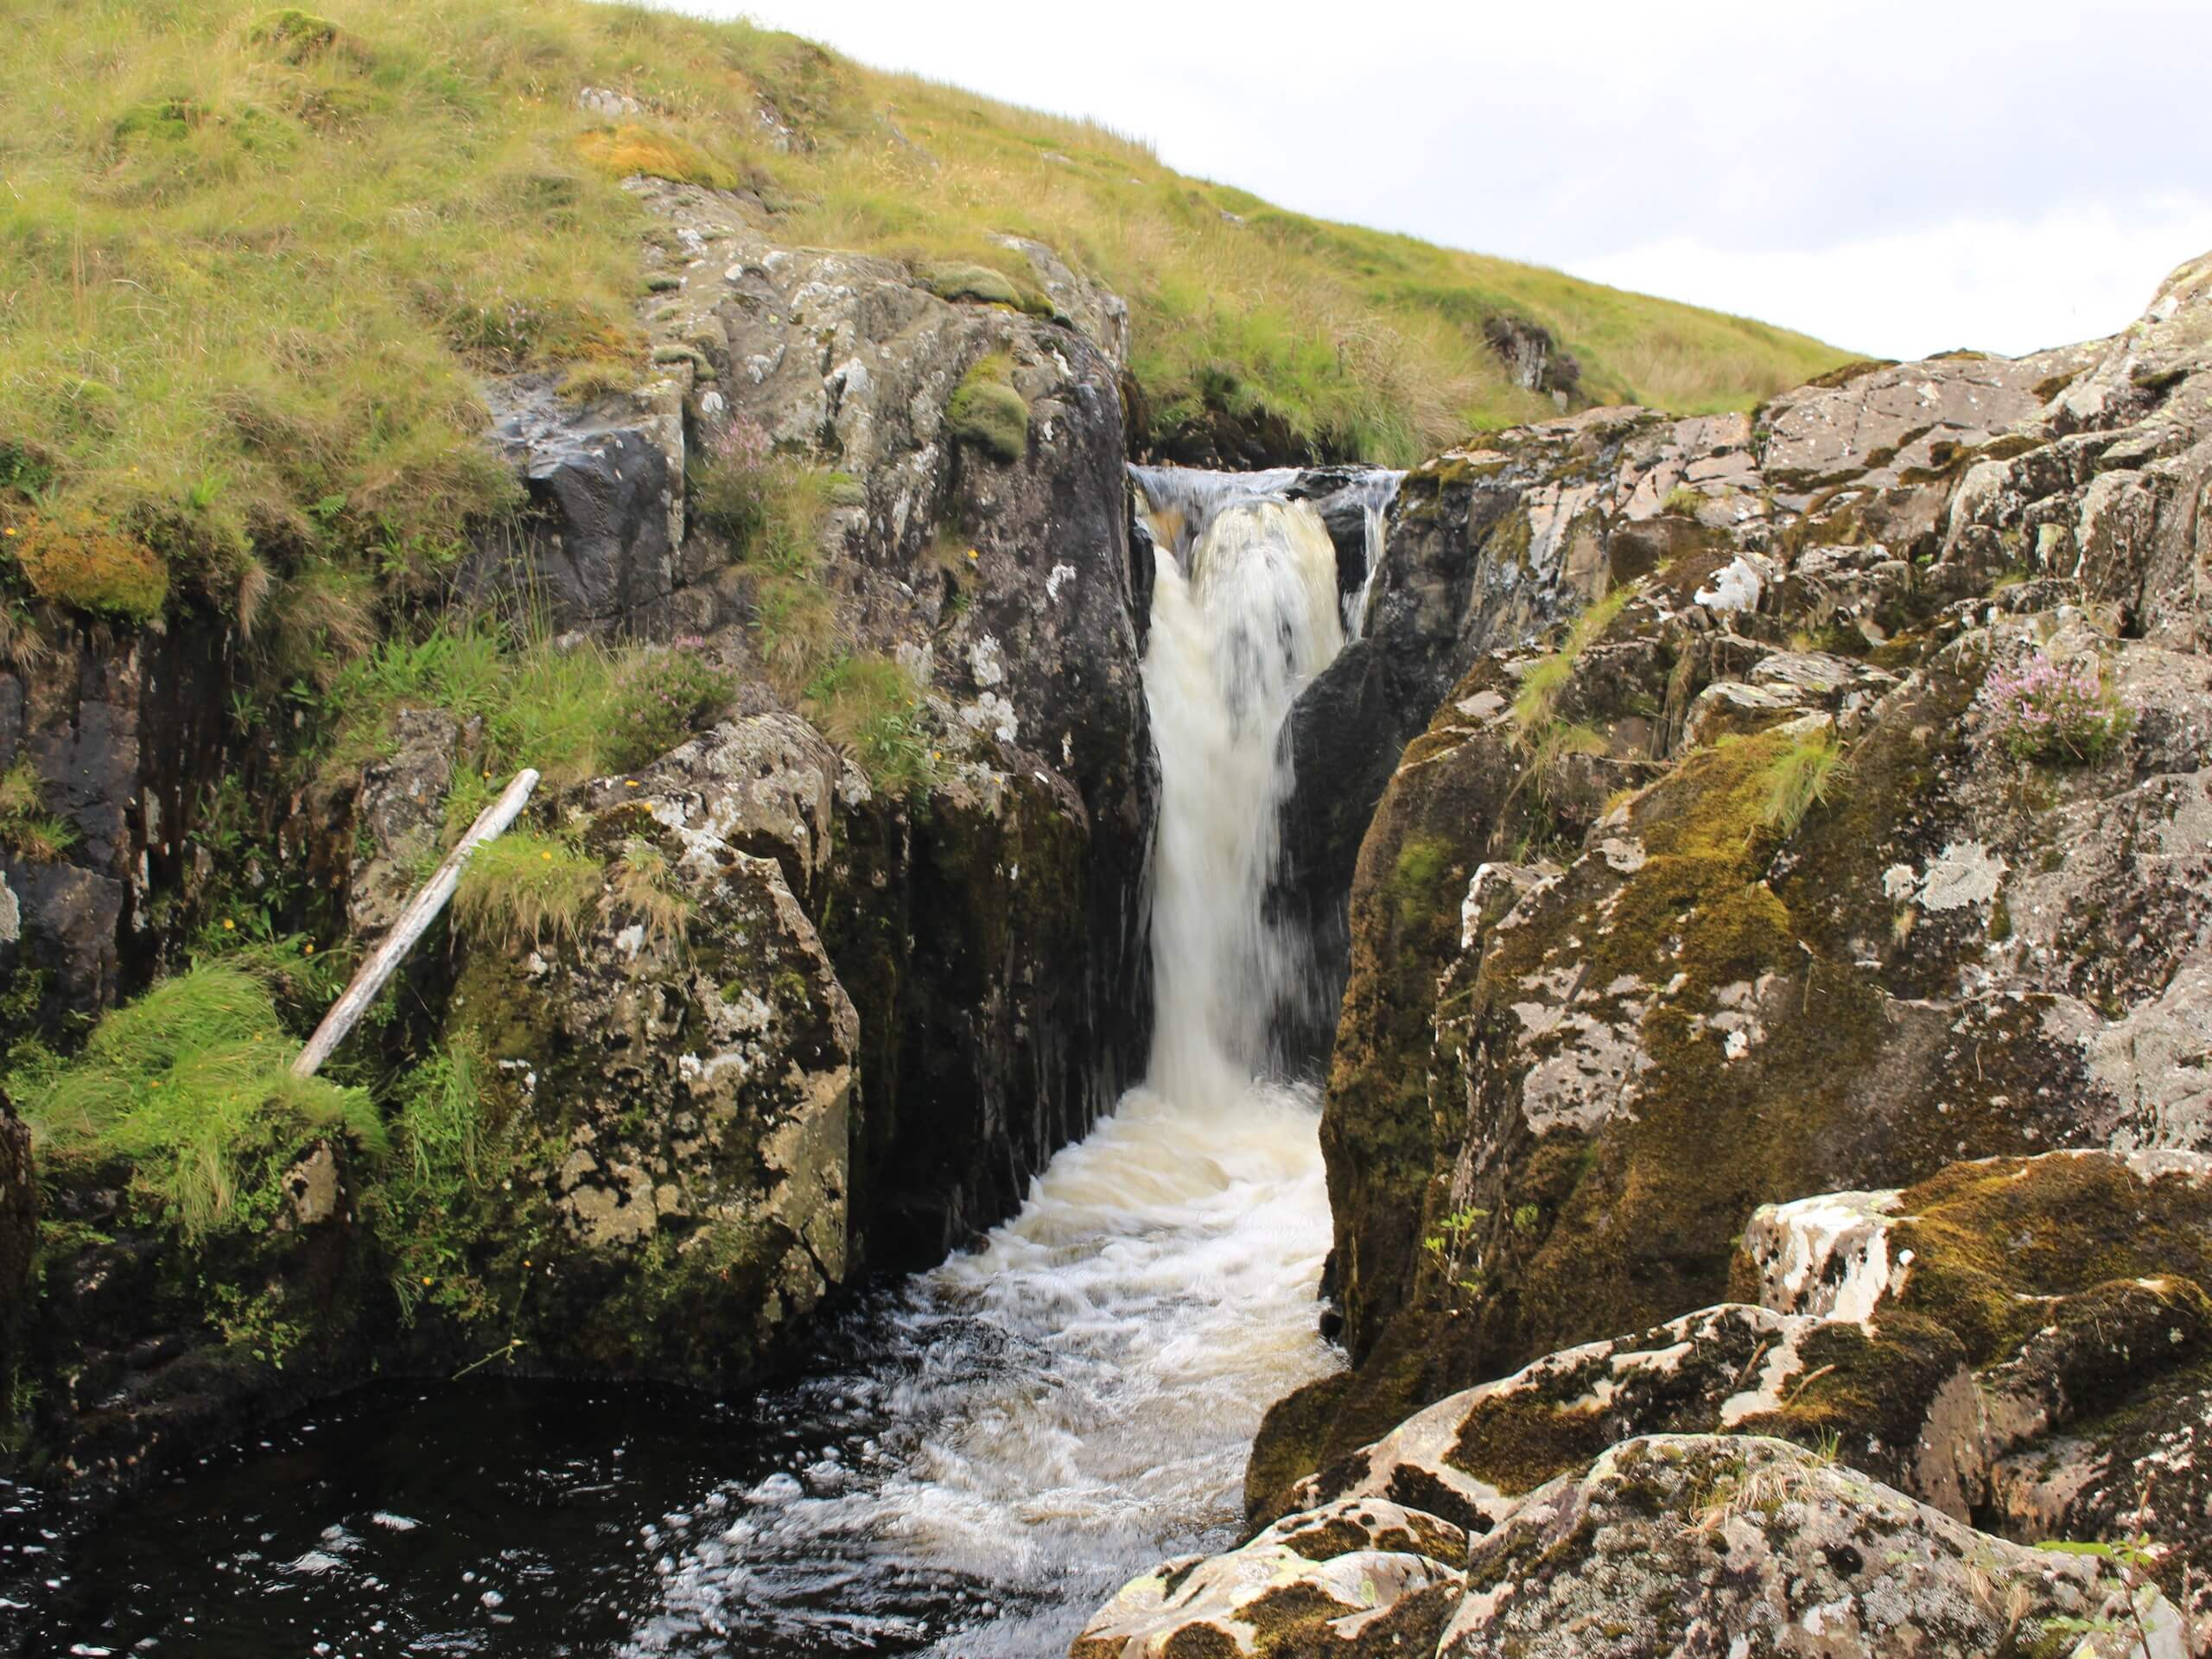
{"x": 1737, "y": 586}
{"x": 991, "y": 713}
{"x": 1966, "y": 873}
{"x": 986, "y": 662}
{"x": 1828, "y": 1256}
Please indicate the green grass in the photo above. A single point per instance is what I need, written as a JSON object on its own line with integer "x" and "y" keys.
{"x": 1536, "y": 705}
{"x": 1799, "y": 778}
{"x": 423, "y": 1209}
{"x": 575, "y": 712}
{"x": 870, "y": 706}
{"x": 526, "y": 889}
{"x": 256, "y": 264}
{"x": 27, "y": 828}
{"x": 191, "y": 1084}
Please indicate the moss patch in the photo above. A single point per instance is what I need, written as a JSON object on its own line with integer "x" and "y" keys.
{"x": 987, "y": 412}
{"x": 1991, "y": 1239}
{"x": 985, "y": 285}
{"x": 86, "y": 563}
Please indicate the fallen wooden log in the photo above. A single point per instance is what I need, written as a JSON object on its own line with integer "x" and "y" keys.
{"x": 422, "y": 910}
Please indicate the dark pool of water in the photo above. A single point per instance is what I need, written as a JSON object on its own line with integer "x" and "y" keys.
{"x": 465, "y": 1519}
{"x": 492, "y": 1517}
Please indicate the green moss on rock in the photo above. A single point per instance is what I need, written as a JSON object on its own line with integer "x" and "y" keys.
{"x": 988, "y": 413}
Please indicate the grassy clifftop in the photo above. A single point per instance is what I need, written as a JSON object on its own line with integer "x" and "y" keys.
{"x": 251, "y": 260}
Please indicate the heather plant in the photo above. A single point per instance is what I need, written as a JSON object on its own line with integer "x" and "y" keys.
{"x": 2055, "y": 712}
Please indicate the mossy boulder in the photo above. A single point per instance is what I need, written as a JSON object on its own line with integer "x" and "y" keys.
{"x": 1472, "y": 1457}
{"x": 1364, "y": 1577}
{"x": 674, "y": 1088}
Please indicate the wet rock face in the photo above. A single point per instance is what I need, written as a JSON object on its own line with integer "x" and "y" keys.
{"x": 121, "y": 733}
{"x": 18, "y": 1232}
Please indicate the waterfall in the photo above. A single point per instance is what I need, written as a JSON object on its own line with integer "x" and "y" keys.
{"x": 1234, "y": 637}
{"x": 1374, "y": 512}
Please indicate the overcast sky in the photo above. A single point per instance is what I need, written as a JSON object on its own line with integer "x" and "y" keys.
{"x": 1896, "y": 178}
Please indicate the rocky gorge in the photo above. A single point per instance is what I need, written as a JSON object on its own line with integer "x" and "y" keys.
{"x": 1762, "y": 1123}
{"x": 1607, "y": 1026}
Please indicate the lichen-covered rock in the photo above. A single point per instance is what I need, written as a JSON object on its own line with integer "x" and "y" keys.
{"x": 2074, "y": 1282}
{"x": 1365, "y": 1579}
{"x": 1472, "y": 1456}
{"x": 1753, "y": 1546}
{"x": 1874, "y": 429}
{"x": 401, "y": 812}
{"x": 678, "y": 1082}
{"x": 1010, "y": 589}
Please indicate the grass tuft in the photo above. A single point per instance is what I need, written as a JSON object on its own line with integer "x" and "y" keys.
{"x": 573, "y": 711}
{"x": 643, "y": 886}
{"x": 27, "y": 828}
{"x": 524, "y": 889}
{"x": 633, "y": 150}
{"x": 870, "y": 707}
{"x": 190, "y": 1083}
{"x": 1799, "y": 778}
{"x": 1536, "y": 705}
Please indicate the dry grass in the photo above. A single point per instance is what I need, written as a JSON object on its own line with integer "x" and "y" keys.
{"x": 526, "y": 889}
{"x": 643, "y": 886}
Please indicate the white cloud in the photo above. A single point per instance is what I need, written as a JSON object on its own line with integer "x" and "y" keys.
{"x": 1894, "y": 175}
{"x": 2073, "y": 273}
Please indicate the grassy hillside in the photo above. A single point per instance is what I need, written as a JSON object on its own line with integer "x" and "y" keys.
{"x": 249, "y": 261}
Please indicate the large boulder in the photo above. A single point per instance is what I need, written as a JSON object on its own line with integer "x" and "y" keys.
{"x": 675, "y": 1078}
{"x": 1360, "y": 1580}
{"x": 1750, "y": 1547}
{"x": 1898, "y": 1397}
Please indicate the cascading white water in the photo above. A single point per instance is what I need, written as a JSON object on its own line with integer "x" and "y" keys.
{"x": 1021, "y": 1430}
{"x": 1233, "y": 641}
